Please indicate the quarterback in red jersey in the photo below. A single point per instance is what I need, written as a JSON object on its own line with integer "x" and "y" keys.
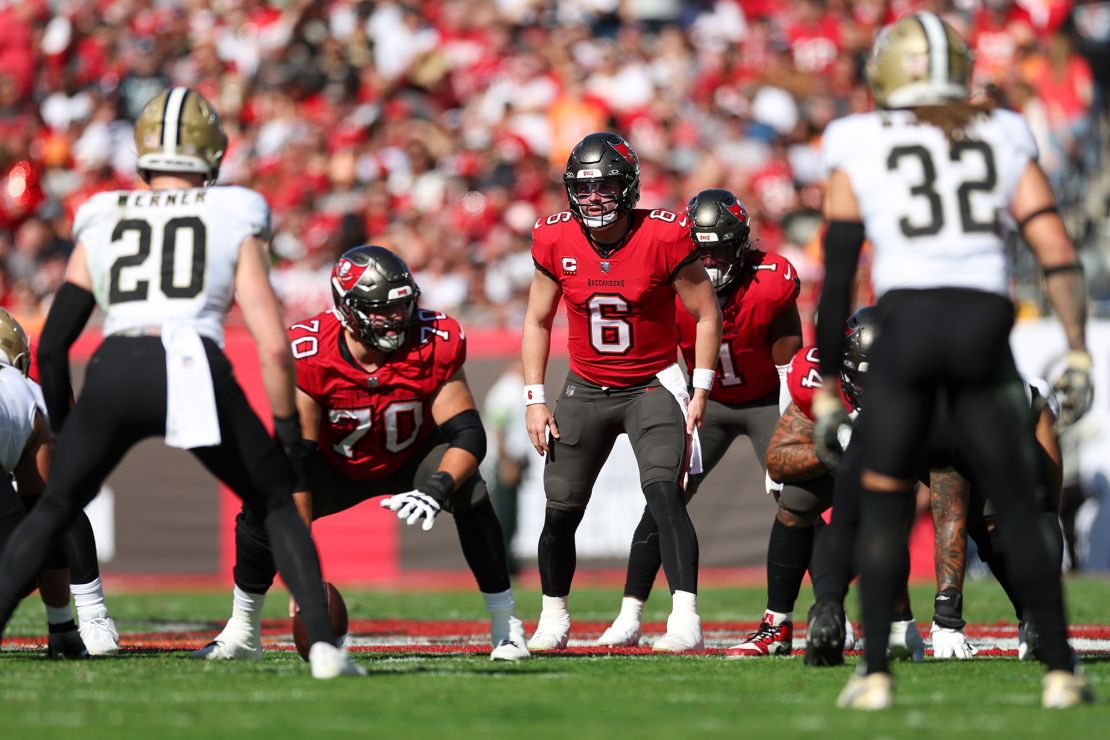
{"x": 618, "y": 269}
{"x": 757, "y": 292}
{"x": 385, "y": 409}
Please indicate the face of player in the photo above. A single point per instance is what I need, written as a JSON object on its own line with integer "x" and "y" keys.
{"x": 718, "y": 262}
{"x": 597, "y": 197}
{"x": 384, "y": 327}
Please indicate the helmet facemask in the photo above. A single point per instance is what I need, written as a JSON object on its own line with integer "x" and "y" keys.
{"x": 383, "y": 326}
{"x": 610, "y": 197}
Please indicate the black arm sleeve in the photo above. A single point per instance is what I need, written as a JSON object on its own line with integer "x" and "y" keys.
{"x": 843, "y": 241}
{"x": 465, "y": 431}
{"x": 67, "y": 318}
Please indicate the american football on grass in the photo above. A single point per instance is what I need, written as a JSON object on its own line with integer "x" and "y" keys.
{"x": 337, "y": 613}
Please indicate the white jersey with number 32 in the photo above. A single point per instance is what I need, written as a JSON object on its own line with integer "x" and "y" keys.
{"x": 157, "y": 256}
{"x": 935, "y": 211}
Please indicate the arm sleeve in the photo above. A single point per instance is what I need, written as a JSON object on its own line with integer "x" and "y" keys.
{"x": 67, "y": 318}
{"x": 843, "y": 240}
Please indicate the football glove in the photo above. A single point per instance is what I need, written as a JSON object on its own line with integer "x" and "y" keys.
{"x": 425, "y": 502}
{"x": 412, "y": 507}
{"x": 949, "y": 643}
{"x": 1073, "y": 388}
{"x": 830, "y": 417}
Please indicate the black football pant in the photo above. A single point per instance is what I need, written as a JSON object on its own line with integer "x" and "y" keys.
{"x": 123, "y": 402}
{"x": 956, "y": 343}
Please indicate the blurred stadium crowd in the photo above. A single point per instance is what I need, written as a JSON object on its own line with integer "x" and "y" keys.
{"x": 440, "y": 128}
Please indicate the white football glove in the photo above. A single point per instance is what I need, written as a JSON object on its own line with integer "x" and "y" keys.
{"x": 830, "y": 418}
{"x": 1073, "y": 388}
{"x": 413, "y": 506}
{"x": 949, "y": 643}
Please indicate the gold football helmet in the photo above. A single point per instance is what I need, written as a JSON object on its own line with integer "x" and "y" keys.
{"x": 919, "y": 60}
{"x": 179, "y": 131}
{"x": 15, "y": 350}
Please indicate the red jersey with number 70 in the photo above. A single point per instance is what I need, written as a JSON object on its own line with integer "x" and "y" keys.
{"x": 803, "y": 378}
{"x": 745, "y": 369}
{"x": 620, "y": 305}
{"x": 372, "y": 423}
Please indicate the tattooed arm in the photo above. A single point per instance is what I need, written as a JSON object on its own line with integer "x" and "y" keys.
{"x": 790, "y": 455}
{"x": 948, "y": 496}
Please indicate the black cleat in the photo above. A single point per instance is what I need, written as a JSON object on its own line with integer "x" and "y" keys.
{"x": 825, "y": 634}
{"x": 66, "y": 643}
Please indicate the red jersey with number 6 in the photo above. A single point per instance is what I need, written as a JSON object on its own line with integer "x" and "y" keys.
{"x": 745, "y": 369}
{"x": 620, "y": 306}
{"x": 804, "y": 378}
{"x": 372, "y": 422}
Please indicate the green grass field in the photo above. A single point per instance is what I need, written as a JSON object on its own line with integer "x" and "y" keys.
{"x": 162, "y": 694}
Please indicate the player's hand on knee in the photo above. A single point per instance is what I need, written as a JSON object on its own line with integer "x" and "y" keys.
{"x": 830, "y": 419}
{"x": 412, "y": 507}
{"x": 1073, "y": 388}
{"x": 538, "y": 418}
{"x": 949, "y": 644}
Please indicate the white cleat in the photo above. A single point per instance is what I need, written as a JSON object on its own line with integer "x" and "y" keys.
{"x": 99, "y": 635}
{"x": 683, "y": 636}
{"x": 906, "y": 642}
{"x": 849, "y": 634}
{"x": 869, "y": 693}
{"x": 552, "y": 633}
{"x": 1063, "y": 690}
{"x": 621, "y": 634}
{"x": 951, "y": 643}
{"x": 513, "y": 647}
{"x": 327, "y": 661}
{"x": 239, "y": 640}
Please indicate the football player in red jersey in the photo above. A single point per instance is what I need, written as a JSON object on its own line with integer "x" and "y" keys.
{"x": 385, "y": 409}
{"x": 618, "y": 269}
{"x": 757, "y": 292}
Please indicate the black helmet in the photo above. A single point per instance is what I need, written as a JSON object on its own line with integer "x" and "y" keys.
{"x": 603, "y": 156}
{"x": 720, "y": 228}
{"x": 364, "y": 282}
{"x": 861, "y": 330}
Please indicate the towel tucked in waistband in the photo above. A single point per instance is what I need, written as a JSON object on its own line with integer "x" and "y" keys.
{"x": 191, "y": 416}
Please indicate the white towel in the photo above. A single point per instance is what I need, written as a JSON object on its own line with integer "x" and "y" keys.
{"x": 674, "y": 381}
{"x": 191, "y": 418}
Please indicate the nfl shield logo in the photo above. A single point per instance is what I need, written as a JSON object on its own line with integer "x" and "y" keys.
{"x": 605, "y": 266}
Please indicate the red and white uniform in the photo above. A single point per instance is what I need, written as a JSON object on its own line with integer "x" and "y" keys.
{"x": 373, "y": 422}
{"x": 620, "y": 308}
{"x": 746, "y": 371}
{"x": 804, "y": 378}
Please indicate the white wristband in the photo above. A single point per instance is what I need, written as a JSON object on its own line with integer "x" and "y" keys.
{"x": 534, "y": 394}
{"x": 704, "y": 378}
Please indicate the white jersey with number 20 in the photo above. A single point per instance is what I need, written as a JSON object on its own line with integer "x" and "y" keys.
{"x": 935, "y": 211}
{"x": 158, "y": 256}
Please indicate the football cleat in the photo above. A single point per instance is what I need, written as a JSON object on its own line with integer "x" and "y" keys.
{"x": 683, "y": 636}
{"x": 769, "y": 639}
{"x": 239, "y": 640}
{"x": 825, "y": 634}
{"x": 513, "y": 647}
{"x": 1062, "y": 690}
{"x": 510, "y": 650}
{"x": 849, "y": 634}
{"x": 906, "y": 642}
{"x": 99, "y": 635}
{"x": 552, "y": 633}
{"x": 621, "y": 634}
{"x": 1027, "y": 641}
{"x": 67, "y": 645}
{"x": 951, "y": 643}
{"x": 870, "y": 692}
{"x": 327, "y": 661}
